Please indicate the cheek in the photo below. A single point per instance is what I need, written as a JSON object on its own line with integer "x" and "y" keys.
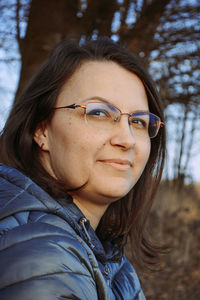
{"x": 147, "y": 148}
{"x": 143, "y": 152}
{"x": 74, "y": 157}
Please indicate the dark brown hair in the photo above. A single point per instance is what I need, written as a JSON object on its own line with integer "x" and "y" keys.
{"x": 125, "y": 218}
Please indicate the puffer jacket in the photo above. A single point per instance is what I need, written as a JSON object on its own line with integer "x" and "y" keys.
{"x": 48, "y": 251}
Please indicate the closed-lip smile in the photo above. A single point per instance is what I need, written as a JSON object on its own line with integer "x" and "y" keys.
{"x": 119, "y": 161}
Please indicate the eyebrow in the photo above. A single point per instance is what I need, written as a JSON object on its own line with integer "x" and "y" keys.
{"x": 110, "y": 102}
{"x": 97, "y": 98}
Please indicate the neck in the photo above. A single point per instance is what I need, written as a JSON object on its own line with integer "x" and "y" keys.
{"x": 91, "y": 211}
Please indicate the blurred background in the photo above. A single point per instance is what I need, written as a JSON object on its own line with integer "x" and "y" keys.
{"x": 165, "y": 36}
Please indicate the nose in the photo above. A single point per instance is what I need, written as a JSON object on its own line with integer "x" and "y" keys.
{"x": 122, "y": 135}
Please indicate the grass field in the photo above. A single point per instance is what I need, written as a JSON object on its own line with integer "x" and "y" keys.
{"x": 175, "y": 221}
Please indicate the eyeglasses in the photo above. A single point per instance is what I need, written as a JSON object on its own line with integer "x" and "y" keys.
{"x": 105, "y": 116}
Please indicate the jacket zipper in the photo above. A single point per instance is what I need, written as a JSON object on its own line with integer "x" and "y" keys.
{"x": 82, "y": 222}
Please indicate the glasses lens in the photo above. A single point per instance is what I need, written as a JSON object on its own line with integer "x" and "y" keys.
{"x": 145, "y": 124}
{"x": 101, "y": 115}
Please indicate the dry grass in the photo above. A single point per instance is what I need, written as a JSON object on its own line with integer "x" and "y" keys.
{"x": 175, "y": 221}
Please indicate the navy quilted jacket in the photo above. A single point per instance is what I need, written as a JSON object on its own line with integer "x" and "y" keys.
{"x": 48, "y": 251}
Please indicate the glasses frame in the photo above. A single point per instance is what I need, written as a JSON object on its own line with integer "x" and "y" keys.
{"x": 74, "y": 106}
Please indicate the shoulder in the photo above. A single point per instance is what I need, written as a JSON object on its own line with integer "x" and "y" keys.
{"x": 42, "y": 254}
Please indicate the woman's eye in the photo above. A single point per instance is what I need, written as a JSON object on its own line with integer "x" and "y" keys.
{"x": 139, "y": 123}
{"x": 99, "y": 113}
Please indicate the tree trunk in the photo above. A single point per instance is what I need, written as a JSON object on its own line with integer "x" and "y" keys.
{"x": 48, "y": 23}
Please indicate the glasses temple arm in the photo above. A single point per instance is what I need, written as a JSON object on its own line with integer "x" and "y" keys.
{"x": 67, "y": 106}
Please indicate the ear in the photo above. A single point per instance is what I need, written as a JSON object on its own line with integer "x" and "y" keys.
{"x": 40, "y": 136}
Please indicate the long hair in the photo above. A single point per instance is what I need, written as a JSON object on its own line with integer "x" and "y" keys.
{"x": 125, "y": 218}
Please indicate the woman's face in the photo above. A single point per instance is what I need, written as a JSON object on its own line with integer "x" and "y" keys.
{"x": 107, "y": 162}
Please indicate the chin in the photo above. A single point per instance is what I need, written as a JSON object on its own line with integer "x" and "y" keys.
{"x": 115, "y": 193}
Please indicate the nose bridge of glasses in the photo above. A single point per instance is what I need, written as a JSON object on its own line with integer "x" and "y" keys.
{"x": 118, "y": 119}
{"x": 123, "y": 114}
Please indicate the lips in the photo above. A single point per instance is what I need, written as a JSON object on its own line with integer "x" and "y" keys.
{"x": 120, "y": 163}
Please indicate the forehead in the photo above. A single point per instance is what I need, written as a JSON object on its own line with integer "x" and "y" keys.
{"x": 107, "y": 80}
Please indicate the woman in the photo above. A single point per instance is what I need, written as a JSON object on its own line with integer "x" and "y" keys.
{"x": 81, "y": 155}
